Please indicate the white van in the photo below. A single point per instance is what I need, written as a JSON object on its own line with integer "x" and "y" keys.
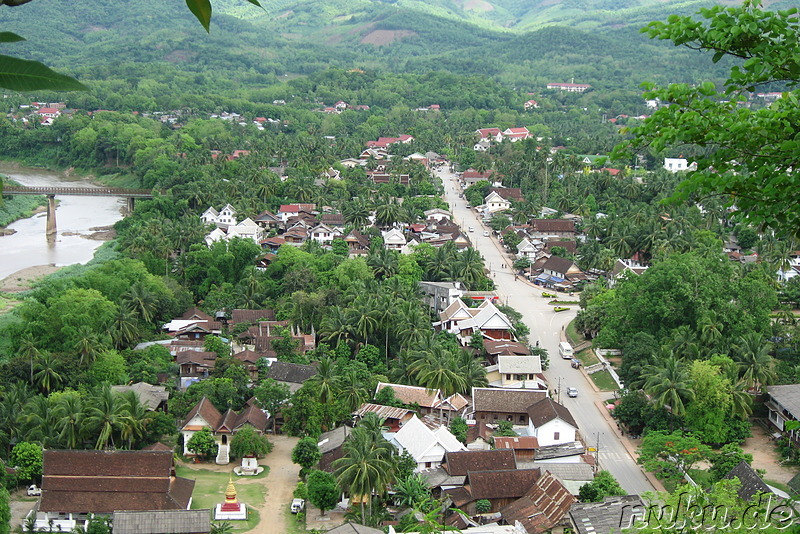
{"x": 565, "y": 350}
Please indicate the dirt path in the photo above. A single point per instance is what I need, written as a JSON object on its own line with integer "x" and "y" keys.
{"x": 766, "y": 457}
{"x": 281, "y": 481}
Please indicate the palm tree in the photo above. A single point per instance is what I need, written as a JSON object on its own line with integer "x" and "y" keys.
{"x": 351, "y": 390}
{"x": 39, "y": 419}
{"x": 367, "y": 466}
{"x": 364, "y": 317}
{"x": 336, "y": 327}
{"x": 756, "y": 366}
{"x": 325, "y": 380}
{"x": 103, "y": 416}
{"x": 710, "y": 329}
{"x": 437, "y": 370}
{"x": 357, "y": 212}
{"x": 87, "y": 344}
{"x": 468, "y": 267}
{"x": 668, "y": 384}
{"x": 124, "y": 330}
{"x": 142, "y": 301}
{"x": 70, "y": 416}
{"x": 46, "y": 376}
{"x": 28, "y": 350}
{"x": 387, "y": 213}
{"x": 134, "y": 417}
{"x": 384, "y": 262}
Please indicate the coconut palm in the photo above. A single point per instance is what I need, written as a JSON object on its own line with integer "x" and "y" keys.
{"x": 87, "y": 344}
{"x": 756, "y": 366}
{"x": 438, "y": 370}
{"x": 351, "y": 390}
{"x": 134, "y": 417}
{"x": 668, "y": 384}
{"x": 70, "y": 418}
{"x": 124, "y": 329}
{"x": 468, "y": 267}
{"x": 103, "y": 417}
{"x": 28, "y": 350}
{"x": 336, "y": 327}
{"x": 142, "y": 301}
{"x": 45, "y": 375}
{"x": 39, "y": 420}
{"x": 384, "y": 262}
{"x": 387, "y": 213}
{"x": 325, "y": 381}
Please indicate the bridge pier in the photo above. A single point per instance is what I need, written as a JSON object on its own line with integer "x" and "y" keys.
{"x": 130, "y": 204}
{"x": 51, "y": 215}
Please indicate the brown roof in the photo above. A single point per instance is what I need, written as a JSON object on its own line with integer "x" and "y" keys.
{"x": 248, "y": 356}
{"x": 383, "y": 412}
{"x": 547, "y": 410}
{"x": 194, "y": 356}
{"x": 228, "y": 422}
{"x": 571, "y": 246}
{"x": 335, "y": 219}
{"x": 412, "y": 394}
{"x": 207, "y": 411}
{"x": 291, "y": 372}
{"x": 500, "y": 484}
{"x": 104, "y": 481}
{"x": 508, "y": 193}
{"x": 251, "y": 415}
{"x": 460, "y": 462}
{"x": 157, "y": 446}
{"x": 519, "y": 443}
{"x": 505, "y": 347}
{"x": 559, "y": 265}
{"x": 196, "y": 313}
{"x": 505, "y": 400}
{"x": 552, "y": 225}
{"x": 251, "y": 316}
{"x": 543, "y": 506}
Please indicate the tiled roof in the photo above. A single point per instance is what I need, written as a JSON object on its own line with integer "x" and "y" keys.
{"x": 207, "y": 411}
{"x": 162, "y": 521}
{"x": 196, "y": 313}
{"x": 520, "y": 443}
{"x": 291, "y": 372}
{"x": 251, "y": 316}
{"x": 788, "y": 396}
{"x": 752, "y": 484}
{"x": 611, "y": 516}
{"x": 552, "y": 225}
{"x": 505, "y": 347}
{"x": 558, "y": 265}
{"x": 460, "y": 462}
{"x": 508, "y": 193}
{"x": 543, "y": 506}
{"x": 500, "y": 484}
{"x": 412, "y": 394}
{"x": 505, "y": 400}
{"x": 547, "y": 410}
{"x": 353, "y": 528}
{"x": 105, "y": 481}
{"x": 251, "y": 415}
{"x": 149, "y": 395}
{"x": 383, "y": 412}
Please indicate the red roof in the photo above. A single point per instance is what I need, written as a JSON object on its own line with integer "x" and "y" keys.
{"x": 42, "y": 111}
{"x": 486, "y": 132}
{"x": 515, "y": 131}
{"x": 289, "y": 208}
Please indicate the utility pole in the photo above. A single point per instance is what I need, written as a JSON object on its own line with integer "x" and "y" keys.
{"x": 558, "y": 391}
{"x": 597, "y": 452}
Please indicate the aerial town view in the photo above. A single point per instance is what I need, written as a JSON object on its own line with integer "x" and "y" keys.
{"x": 390, "y": 266}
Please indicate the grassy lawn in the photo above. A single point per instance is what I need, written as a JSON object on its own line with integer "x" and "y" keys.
{"x": 587, "y": 357}
{"x": 572, "y": 335}
{"x": 603, "y": 380}
{"x": 295, "y": 523}
{"x": 209, "y": 490}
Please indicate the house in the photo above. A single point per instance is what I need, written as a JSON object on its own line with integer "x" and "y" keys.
{"x": 551, "y": 423}
{"x": 426, "y": 399}
{"x": 353, "y": 528}
{"x": 531, "y": 104}
{"x": 246, "y": 229}
{"x": 543, "y": 508}
{"x": 393, "y": 418}
{"x": 783, "y": 404}
{"x": 291, "y": 374}
{"x": 437, "y": 214}
{"x": 492, "y": 134}
{"x": 524, "y": 447}
{"x": 154, "y": 397}
{"x": 569, "y": 87}
{"x": 194, "y": 324}
{"x": 223, "y": 426}
{"x": 500, "y": 487}
{"x": 48, "y": 112}
{"x": 239, "y": 316}
{"x": 333, "y": 220}
{"x": 560, "y": 267}
{"x": 76, "y": 484}
{"x": 323, "y": 234}
{"x": 459, "y": 463}
{"x": 293, "y": 210}
{"x": 440, "y": 295}
{"x": 394, "y": 239}
{"x": 357, "y": 242}
{"x": 472, "y": 177}
{"x": 162, "y": 521}
{"x": 266, "y": 219}
{"x": 194, "y": 366}
{"x": 623, "y": 268}
{"x": 516, "y": 134}
{"x": 463, "y": 321}
{"x": 250, "y": 359}
{"x": 482, "y": 145}
{"x": 550, "y": 228}
{"x": 495, "y": 202}
{"x": 222, "y": 219}
{"x": 678, "y": 165}
{"x": 519, "y": 372}
{"x": 513, "y": 194}
{"x": 491, "y": 405}
{"x": 331, "y": 446}
{"x": 426, "y": 446}
{"x": 613, "y": 515}
{"x": 526, "y": 249}
{"x": 493, "y": 349}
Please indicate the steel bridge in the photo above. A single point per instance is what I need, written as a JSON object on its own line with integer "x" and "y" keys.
{"x": 51, "y": 192}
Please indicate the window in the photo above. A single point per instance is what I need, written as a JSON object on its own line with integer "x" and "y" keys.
{"x": 556, "y": 435}
{"x": 521, "y": 418}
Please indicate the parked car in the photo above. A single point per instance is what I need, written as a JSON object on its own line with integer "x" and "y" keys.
{"x": 485, "y": 233}
{"x": 572, "y": 392}
{"x": 298, "y": 505}
{"x": 34, "y": 490}
{"x": 471, "y": 229}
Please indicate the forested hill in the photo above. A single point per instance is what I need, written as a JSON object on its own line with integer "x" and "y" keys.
{"x": 97, "y": 39}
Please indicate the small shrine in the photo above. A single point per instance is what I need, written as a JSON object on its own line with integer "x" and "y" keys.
{"x": 249, "y": 467}
{"x": 231, "y": 509}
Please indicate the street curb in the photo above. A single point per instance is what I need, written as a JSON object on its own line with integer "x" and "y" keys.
{"x": 628, "y": 445}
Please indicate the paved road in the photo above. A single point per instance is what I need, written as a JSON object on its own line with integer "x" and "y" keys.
{"x": 546, "y": 327}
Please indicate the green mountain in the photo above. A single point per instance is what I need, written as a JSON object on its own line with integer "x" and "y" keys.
{"x": 592, "y": 41}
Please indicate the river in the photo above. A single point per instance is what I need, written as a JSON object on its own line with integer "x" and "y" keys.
{"x": 76, "y": 218}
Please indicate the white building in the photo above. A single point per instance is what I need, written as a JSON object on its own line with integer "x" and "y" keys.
{"x": 426, "y": 446}
{"x": 551, "y": 423}
{"x": 679, "y": 164}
